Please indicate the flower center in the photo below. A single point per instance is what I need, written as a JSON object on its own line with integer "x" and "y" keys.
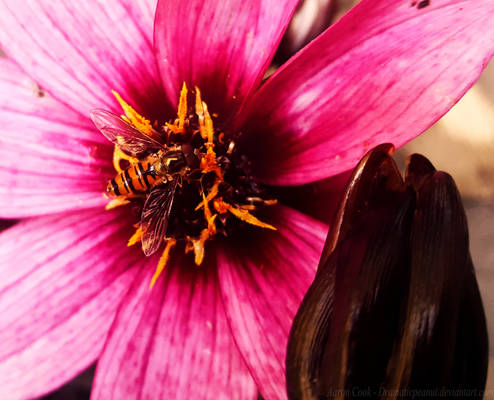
{"x": 187, "y": 178}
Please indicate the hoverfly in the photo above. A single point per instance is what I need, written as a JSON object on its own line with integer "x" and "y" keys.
{"x": 157, "y": 175}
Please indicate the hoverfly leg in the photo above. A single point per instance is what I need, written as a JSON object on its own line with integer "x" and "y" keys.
{"x": 119, "y": 201}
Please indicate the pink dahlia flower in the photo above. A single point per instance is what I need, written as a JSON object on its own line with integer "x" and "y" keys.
{"x": 72, "y": 292}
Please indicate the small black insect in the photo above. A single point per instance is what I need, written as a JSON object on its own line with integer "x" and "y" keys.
{"x": 423, "y": 4}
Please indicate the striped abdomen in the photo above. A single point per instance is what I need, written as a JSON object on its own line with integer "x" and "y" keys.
{"x": 138, "y": 178}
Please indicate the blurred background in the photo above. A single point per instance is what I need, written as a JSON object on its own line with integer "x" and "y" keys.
{"x": 461, "y": 143}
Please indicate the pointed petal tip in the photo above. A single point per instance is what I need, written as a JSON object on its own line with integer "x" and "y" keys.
{"x": 384, "y": 72}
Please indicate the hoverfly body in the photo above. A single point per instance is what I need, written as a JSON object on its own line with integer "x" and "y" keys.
{"x": 157, "y": 175}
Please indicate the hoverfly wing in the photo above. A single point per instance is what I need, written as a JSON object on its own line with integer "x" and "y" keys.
{"x": 154, "y": 217}
{"x": 122, "y": 133}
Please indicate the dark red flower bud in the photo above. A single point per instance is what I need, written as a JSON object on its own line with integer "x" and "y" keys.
{"x": 394, "y": 310}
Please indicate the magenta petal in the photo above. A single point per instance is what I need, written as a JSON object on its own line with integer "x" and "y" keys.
{"x": 80, "y": 50}
{"x": 172, "y": 341}
{"x": 318, "y": 199}
{"x": 263, "y": 280}
{"x": 62, "y": 280}
{"x": 384, "y": 73}
{"x": 52, "y": 158}
{"x": 223, "y": 47}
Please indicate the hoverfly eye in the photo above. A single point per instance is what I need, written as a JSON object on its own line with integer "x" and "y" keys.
{"x": 161, "y": 167}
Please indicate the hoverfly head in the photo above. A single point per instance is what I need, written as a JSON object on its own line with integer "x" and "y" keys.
{"x": 171, "y": 162}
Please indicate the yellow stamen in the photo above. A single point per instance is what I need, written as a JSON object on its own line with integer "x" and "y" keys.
{"x": 182, "y": 107}
{"x": 208, "y": 124}
{"x": 209, "y": 163}
{"x": 212, "y": 225}
{"x": 198, "y": 246}
{"x": 163, "y": 260}
{"x": 116, "y": 203}
{"x": 211, "y": 195}
{"x": 246, "y": 216}
{"x": 210, "y": 218}
{"x": 132, "y": 116}
{"x": 188, "y": 245}
{"x": 220, "y": 205}
{"x": 136, "y": 237}
{"x": 179, "y": 124}
{"x": 270, "y": 202}
{"x": 206, "y": 127}
{"x": 250, "y": 207}
{"x": 207, "y": 211}
{"x": 241, "y": 213}
{"x": 200, "y": 113}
